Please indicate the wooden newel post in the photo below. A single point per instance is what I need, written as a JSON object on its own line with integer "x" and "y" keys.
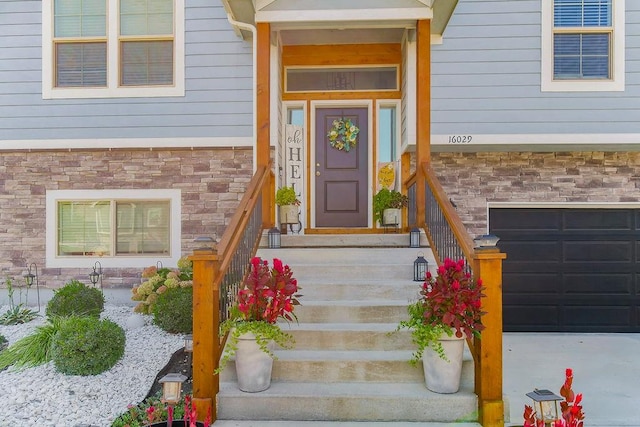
{"x": 206, "y": 319}
{"x": 487, "y": 264}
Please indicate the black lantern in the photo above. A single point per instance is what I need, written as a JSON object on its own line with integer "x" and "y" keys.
{"x": 188, "y": 343}
{"x": 96, "y": 274}
{"x": 414, "y": 237}
{"x": 31, "y": 277}
{"x": 274, "y": 238}
{"x": 420, "y": 268}
{"x": 545, "y": 403}
{"x": 172, "y": 387}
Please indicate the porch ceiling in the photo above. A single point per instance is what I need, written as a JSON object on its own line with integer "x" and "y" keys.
{"x": 373, "y": 21}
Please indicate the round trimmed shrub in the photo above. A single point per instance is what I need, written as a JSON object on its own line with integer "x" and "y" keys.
{"x": 75, "y": 298}
{"x": 173, "y": 311}
{"x": 87, "y": 346}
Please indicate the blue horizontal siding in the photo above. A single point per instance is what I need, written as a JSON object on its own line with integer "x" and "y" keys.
{"x": 486, "y": 77}
{"x": 218, "y": 87}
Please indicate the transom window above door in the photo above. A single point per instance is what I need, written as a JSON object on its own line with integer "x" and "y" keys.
{"x": 89, "y": 53}
{"x": 327, "y": 79}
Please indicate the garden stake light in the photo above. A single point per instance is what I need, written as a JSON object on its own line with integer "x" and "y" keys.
{"x": 96, "y": 275}
{"x": 545, "y": 403}
{"x": 30, "y": 277}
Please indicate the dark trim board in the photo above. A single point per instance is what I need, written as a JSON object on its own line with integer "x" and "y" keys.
{"x": 569, "y": 269}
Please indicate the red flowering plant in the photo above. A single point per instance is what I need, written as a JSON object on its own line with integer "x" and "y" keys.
{"x": 267, "y": 295}
{"x": 572, "y": 415}
{"x": 449, "y": 303}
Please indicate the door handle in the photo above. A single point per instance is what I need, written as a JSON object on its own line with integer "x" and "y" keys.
{"x": 317, "y": 173}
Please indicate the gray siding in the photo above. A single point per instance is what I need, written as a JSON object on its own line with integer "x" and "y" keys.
{"x": 486, "y": 77}
{"x": 218, "y": 87}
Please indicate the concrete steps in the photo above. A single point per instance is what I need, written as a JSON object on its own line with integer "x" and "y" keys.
{"x": 349, "y": 366}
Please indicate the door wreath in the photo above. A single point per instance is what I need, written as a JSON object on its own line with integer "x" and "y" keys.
{"x": 343, "y": 133}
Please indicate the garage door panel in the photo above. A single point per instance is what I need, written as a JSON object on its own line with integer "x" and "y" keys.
{"x": 591, "y": 219}
{"x": 533, "y": 218}
{"x": 532, "y": 251}
{"x": 600, "y": 284}
{"x": 601, "y": 316}
{"x": 600, "y": 252}
{"x": 532, "y": 317}
{"x": 530, "y": 283}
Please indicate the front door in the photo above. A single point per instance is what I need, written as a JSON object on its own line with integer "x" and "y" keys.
{"x": 341, "y": 176}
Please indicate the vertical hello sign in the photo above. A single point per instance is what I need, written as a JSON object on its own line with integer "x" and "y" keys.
{"x": 294, "y": 166}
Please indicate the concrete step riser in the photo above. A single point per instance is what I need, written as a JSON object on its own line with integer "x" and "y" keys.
{"x": 351, "y": 340}
{"x": 401, "y": 292}
{"x": 347, "y": 408}
{"x": 346, "y": 273}
{"x": 339, "y": 371}
{"x": 353, "y": 314}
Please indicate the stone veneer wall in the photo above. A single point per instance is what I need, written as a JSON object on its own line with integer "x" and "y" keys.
{"x": 212, "y": 182}
{"x": 473, "y": 179}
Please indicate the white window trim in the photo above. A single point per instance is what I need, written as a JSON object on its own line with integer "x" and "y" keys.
{"x": 618, "y": 70}
{"x": 113, "y": 90}
{"x": 55, "y": 261}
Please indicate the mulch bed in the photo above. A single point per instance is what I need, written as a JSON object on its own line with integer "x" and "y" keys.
{"x": 180, "y": 362}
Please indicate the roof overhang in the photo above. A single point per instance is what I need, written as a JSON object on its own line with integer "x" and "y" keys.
{"x": 340, "y": 14}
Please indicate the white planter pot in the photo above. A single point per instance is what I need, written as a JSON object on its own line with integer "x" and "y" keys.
{"x": 289, "y": 214}
{"x": 443, "y": 376}
{"x": 391, "y": 216}
{"x": 253, "y": 366}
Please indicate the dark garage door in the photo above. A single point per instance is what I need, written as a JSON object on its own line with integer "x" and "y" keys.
{"x": 569, "y": 270}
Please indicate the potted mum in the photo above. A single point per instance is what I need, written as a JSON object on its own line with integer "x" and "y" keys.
{"x": 448, "y": 310}
{"x": 288, "y": 202}
{"x": 266, "y": 295}
{"x": 387, "y": 206}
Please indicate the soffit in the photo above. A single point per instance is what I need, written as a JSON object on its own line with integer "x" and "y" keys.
{"x": 364, "y": 17}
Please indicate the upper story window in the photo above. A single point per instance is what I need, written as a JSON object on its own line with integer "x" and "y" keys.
{"x": 88, "y": 54}
{"x": 583, "y": 45}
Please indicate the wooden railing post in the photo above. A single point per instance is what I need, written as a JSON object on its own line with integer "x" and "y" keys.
{"x": 487, "y": 265}
{"x": 206, "y": 342}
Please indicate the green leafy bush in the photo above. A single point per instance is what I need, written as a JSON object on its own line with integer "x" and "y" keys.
{"x": 75, "y": 298}
{"x": 173, "y": 310}
{"x": 32, "y": 350}
{"x": 18, "y": 314}
{"x": 87, "y": 346}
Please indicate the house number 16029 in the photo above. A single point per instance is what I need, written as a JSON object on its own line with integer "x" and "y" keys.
{"x": 460, "y": 139}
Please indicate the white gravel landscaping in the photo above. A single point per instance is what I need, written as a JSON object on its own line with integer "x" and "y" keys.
{"x": 42, "y": 397}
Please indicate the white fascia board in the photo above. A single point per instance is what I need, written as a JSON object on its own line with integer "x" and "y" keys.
{"x": 124, "y": 143}
{"x": 343, "y": 15}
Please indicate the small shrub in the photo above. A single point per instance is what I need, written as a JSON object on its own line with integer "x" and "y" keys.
{"x": 3, "y": 342}
{"x": 32, "y": 350}
{"x": 75, "y": 298}
{"x": 158, "y": 280}
{"x": 18, "y": 314}
{"x": 173, "y": 311}
{"x": 87, "y": 346}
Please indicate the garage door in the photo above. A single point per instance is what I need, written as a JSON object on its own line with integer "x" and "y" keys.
{"x": 570, "y": 270}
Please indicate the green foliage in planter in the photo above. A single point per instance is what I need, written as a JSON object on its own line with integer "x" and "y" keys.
{"x": 286, "y": 196}
{"x": 87, "y": 346}
{"x": 423, "y": 335}
{"x": 264, "y": 332}
{"x": 173, "y": 310}
{"x": 75, "y": 298}
{"x": 387, "y": 199}
{"x": 32, "y": 350}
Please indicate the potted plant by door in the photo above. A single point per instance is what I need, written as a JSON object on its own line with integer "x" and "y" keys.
{"x": 288, "y": 203}
{"x": 448, "y": 310}
{"x": 266, "y": 295}
{"x": 387, "y": 206}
